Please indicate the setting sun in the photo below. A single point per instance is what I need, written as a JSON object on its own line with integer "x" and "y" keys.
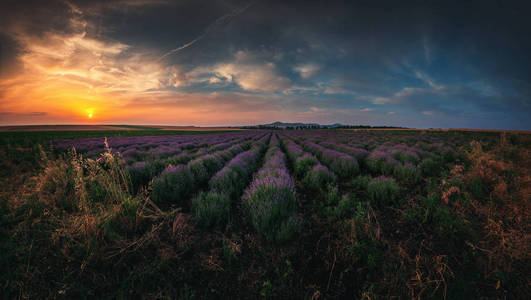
{"x": 90, "y": 116}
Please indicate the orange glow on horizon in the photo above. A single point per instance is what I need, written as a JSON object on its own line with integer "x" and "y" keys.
{"x": 73, "y": 78}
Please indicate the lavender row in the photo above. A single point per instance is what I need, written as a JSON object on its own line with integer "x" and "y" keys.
{"x": 190, "y": 148}
{"x": 315, "y": 177}
{"x": 270, "y": 200}
{"x": 369, "y": 140}
{"x": 398, "y": 161}
{"x": 213, "y": 206}
{"x": 359, "y": 153}
{"x": 343, "y": 165}
{"x": 119, "y": 142}
{"x": 142, "y": 172}
{"x": 141, "y": 146}
{"x": 231, "y": 179}
{"x": 176, "y": 183}
{"x": 406, "y": 157}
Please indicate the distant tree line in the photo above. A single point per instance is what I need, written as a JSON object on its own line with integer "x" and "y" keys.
{"x": 319, "y": 127}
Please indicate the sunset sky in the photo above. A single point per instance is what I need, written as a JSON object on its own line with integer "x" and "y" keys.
{"x": 443, "y": 64}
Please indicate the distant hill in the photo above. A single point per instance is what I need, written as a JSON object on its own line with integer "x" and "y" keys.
{"x": 287, "y": 125}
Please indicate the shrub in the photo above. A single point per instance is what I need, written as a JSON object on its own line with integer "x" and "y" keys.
{"x": 275, "y": 161}
{"x": 271, "y": 205}
{"x": 231, "y": 180}
{"x": 204, "y": 167}
{"x": 346, "y": 204}
{"x": 379, "y": 162}
{"x": 382, "y": 191}
{"x": 172, "y": 186}
{"x": 423, "y": 212}
{"x": 368, "y": 252}
{"x": 333, "y": 195}
{"x": 409, "y": 156}
{"x": 341, "y": 164}
{"x": 272, "y": 172}
{"x": 361, "y": 182}
{"x": 387, "y": 168}
{"x": 227, "y": 181}
{"x": 134, "y": 154}
{"x": 358, "y": 153}
{"x": 198, "y": 170}
{"x": 178, "y": 159}
{"x": 430, "y": 167}
{"x": 212, "y": 163}
{"x": 142, "y": 172}
{"x": 315, "y": 149}
{"x": 304, "y": 163}
{"x": 344, "y": 166}
{"x": 447, "y": 223}
{"x": 406, "y": 173}
{"x": 293, "y": 151}
{"x": 232, "y": 151}
{"x": 373, "y": 165}
{"x": 319, "y": 176}
{"x": 343, "y": 207}
{"x": 430, "y": 201}
{"x": 449, "y": 155}
{"x": 287, "y": 229}
{"x": 211, "y": 208}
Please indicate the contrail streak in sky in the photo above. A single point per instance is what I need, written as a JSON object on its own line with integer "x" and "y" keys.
{"x": 220, "y": 21}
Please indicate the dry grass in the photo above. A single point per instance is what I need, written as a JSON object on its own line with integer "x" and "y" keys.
{"x": 507, "y": 222}
{"x": 502, "y": 219}
{"x": 76, "y": 204}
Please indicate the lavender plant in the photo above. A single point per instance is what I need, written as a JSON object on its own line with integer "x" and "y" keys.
{"x": 318, "y": 178}
{"x": 380, "y": 162}
{"x": 406, "y": 173}
{"x": 305, "y": 163}
{"x": 211, "y": 208}
{"x": 270, "y": 199}
{"x": 382, "y": 191}
{"x": 344, "y": 166}
{"x": 173, "y": 186}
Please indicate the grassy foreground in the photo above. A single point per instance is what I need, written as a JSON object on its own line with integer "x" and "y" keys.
{"x": 70, "y": 227}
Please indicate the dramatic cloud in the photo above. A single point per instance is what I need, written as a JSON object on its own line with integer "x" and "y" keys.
{"x": 307, "y": 70}
{"x": 80, "y": 60}
{"x": 250, "y": 74}
{"x": 245, "y": 62}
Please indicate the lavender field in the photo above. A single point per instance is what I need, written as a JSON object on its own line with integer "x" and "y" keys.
{"x": 278, "y": 213}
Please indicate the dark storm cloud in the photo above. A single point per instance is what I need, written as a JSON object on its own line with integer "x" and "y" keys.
{"x": 435, "y": 63}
